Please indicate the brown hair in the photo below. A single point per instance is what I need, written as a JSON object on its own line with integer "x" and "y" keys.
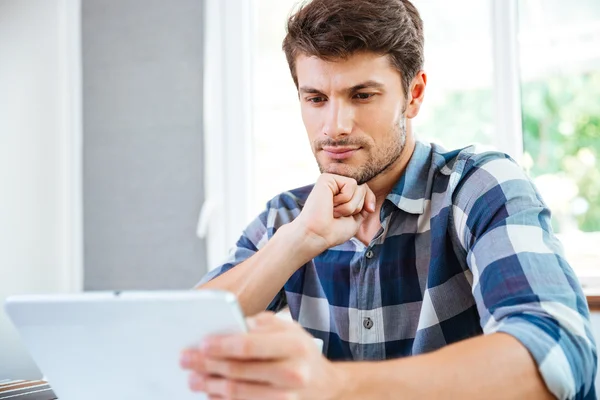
{"x": 337, "y": 29}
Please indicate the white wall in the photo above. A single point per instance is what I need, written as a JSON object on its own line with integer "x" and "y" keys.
{"x": 38, "y": 204}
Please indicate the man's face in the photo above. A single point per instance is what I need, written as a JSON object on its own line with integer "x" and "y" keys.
{"x": 353, "y": 113}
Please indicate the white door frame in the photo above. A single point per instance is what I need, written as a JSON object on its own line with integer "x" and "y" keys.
{"x": 71, "y": 131}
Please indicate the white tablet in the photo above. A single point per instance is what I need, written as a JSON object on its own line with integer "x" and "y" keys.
{"x": 120, "y": 345}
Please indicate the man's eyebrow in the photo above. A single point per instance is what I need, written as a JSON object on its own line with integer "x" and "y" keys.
{"x": 366, "y": 85}
{"x": 363, "y": 85}
{"x": 308, "y": 89}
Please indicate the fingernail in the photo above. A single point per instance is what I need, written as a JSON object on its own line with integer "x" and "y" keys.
{"x": 196, "y": 382}
{"x": 186, "y": 359}
{"x": 372, "y": 205}
{"x": 208, "y": 345}
{"x": 205, "y": 345}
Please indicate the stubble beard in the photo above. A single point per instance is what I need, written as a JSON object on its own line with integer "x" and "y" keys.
{"x": 377, "y": 163}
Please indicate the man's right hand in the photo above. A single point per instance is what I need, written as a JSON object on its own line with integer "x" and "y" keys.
{"x": 332, "y": 214}
{"x": 334, "y": 211}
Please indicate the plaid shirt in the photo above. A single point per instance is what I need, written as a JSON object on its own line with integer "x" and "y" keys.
{"x": 465, "y": 248}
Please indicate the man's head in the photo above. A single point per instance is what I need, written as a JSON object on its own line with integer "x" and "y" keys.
{"x": 357, "y": 65}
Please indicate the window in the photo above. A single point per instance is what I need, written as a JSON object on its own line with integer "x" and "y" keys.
{"x": 559, "y": 49}
{"x": 458, "y": 106}
{"x": 281, "y": 153}
{"x": 493, "y": 67}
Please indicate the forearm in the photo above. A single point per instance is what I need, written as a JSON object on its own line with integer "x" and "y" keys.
{"x": 495, "y": 366}
{"x": 257, "y": 280}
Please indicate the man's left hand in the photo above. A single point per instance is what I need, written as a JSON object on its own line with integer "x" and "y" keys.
{"x": 276, "y": 359}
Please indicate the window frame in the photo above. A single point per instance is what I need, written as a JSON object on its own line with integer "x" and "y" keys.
{"x": 506, "y": 84}
{"x": 228, "y": 34}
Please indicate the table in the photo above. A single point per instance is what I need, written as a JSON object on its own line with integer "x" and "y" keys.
{"x": 26, "y": 390}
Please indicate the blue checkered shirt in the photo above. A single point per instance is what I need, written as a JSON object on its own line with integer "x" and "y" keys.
{"x": 465, "y": 248}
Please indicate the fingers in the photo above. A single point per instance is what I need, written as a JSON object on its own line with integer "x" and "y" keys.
{"x": 370, "y": 200}
{"x": 255, "y": 346}
{"x": 346, "y": 189}
{"x": 349, "y": 197}
{"x": 351, "y": 206}
{"x": 260, "y": 364}
{"x": 283, "y": 374}
{"x": 251, "y": 346}
{"x": 220, "y": 388}
{"x": 363, "y": 198}
{"x": 265, "y": 322}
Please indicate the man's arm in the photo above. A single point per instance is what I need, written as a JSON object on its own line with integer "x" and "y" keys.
{"x": 496, "y": 366}
{"x": 261, "y": 266}
{"x": 257, "y": 280}
{"x": 537, "y": 341}
{"x": 248, "y": 366}
{"x": 522, "y": 284}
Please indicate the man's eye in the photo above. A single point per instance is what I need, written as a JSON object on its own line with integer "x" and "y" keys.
{"x": 316, "y": 100}
{"x": 363, "y": 96}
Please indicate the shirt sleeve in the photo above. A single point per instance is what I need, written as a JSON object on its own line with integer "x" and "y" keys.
{"x": 522, "y": 283}
{"x": 254, "y": 237}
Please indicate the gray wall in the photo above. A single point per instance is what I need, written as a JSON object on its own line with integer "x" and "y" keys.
{"x": 142, "y": 124}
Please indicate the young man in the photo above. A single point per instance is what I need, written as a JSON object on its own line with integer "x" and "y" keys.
{"x": 399, "y": 249}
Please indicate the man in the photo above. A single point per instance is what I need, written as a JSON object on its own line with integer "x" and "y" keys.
{"x": 399, "y": 249}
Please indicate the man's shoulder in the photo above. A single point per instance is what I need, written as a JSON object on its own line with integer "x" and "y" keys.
{"x": 478, "y": 171}
{"x": 464, "y": 159}
{"x": 468, "y": 173}
{"x": 462, "y": 164}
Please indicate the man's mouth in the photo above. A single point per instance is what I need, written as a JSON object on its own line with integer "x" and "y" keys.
{"x": 340, "y": 152}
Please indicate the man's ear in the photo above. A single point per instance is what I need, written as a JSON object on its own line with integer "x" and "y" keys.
{"x": 416, "y": 94}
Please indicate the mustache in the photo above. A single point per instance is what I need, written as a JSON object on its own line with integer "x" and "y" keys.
{"x": 319, "y": 144}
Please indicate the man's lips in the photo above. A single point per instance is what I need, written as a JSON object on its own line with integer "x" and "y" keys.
{"x": 340, "y": 153}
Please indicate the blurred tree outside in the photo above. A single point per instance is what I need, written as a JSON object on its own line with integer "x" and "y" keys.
{"x": 561, "y": 134}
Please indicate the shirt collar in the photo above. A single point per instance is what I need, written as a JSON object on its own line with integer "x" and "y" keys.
{"x": 409, "y": 193}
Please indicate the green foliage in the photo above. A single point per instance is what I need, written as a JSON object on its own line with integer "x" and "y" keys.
{"x": 561, "y": 132}
{"x": 464, "y": 118}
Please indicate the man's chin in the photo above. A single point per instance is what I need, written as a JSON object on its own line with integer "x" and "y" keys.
{"x": 341, "y": 169}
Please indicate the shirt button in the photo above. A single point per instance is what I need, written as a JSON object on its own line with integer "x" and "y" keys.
{"x": 369, "y": 254}
{"x": 368, "y": 323}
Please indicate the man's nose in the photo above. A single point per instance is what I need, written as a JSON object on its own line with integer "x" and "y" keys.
{"x": 339, "y": 120}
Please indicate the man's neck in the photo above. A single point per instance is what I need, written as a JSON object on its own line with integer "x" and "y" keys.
{"x": 381, "y": 186}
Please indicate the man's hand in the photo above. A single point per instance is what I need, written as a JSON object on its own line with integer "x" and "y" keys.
{"x": 276, "y": 360}
{"x": 334, "y": 210}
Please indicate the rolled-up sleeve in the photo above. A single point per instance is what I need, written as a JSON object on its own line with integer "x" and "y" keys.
{"x": 522, "y": 283}
{"x": 254, "y": 237}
